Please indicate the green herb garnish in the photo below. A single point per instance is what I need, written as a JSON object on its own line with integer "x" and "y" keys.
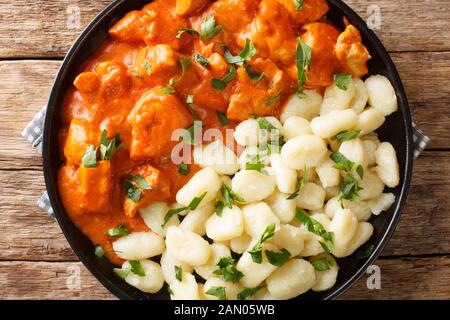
{"x": 192, "y": 206}
{"x": 134, "y": 185}
{"x": 118, "y": 231}
{"x": 278, "y": 258}
{"x": 254, "y": 76}
{"x": 303, "y": 61}
{"x": 183, "y": 169}
{"x": 178, "y": 273}
{"x": 218, "y": 292}
{"x": 209, "y": 28}
{"x": 201, "y": 60}
{"x": 342, "y": 80}
{"x": 248, "y": 292}
{"x": 222, "y": 118}
{"x": 136, "y": 268}
{"x": 364, "y": 253}
{"x": 346, "y": 135}
{"x": 249, "y": 50}
{"x": 227, "y": 270}
{"x": 316, "y": 227}
{"x": 256, "y": 252}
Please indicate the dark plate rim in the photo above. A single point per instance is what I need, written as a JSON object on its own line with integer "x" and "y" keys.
{"x": 334, "y": 292}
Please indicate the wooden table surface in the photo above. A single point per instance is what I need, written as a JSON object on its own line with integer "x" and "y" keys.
{"x": 36, "y": 260}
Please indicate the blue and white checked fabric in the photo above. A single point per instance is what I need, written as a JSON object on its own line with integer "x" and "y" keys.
{"x": 34, "y": 131}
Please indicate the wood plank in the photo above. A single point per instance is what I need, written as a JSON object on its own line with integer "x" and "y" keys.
{"x": 25, "y": 85}
{"x": 411, "y": 278}
{"x": 47, "y": 28}
{"x": 26, "y": 233}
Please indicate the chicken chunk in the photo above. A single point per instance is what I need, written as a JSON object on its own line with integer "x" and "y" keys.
{"x": 80, "y": 136}
{"x": 186, "y": 7}
{"x": 321, "y": 38}
{"x": 153, "y": 119}
{"x": 156, "y": 23}
{"x": 260, "y": 97}
{"x": 95, "y": 188}
{"x": 272, "y": 33}
{"x": 351, "y": 53}
{"x": 310, "y": 11}
{"x": 156, "y": 188}
{"x": 114, "y": 80}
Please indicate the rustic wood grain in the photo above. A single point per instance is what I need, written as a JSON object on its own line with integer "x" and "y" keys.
{"x": 26, "y": 233}
{"x": 410, "y": 278}
{"x": 46, "y": 28}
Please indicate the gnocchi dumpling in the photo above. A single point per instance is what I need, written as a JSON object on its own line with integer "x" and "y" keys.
{"x": 360, "y": 97}
{"x": 372, "y": 186}
{"x": 217, "y": 252}
{"x": 205, "y": 180}
{"x": 151, "y": 282}
{"x": 255, "y": 273}
{"x": 240, "y": 244}
{"x": 325, "y": 279}
{"x": 296, "y": 126}
{"x": 336, "y": 99}
{"x": 153, "y": 217}
{"x": 187, "y": 289}
{"x": 329, "y": 176}
{"x": 168, "y": 264}
{"x": 332, "y": 123}
{"x": 216, "y": 156}
{"x": 381, "y": 94}
{"x": 307, "y": 150}
{"x": 195, "y": 220}
{"x": 252, "y": 185}
{"x": 257, "y": 216}
{"x": 307, "y": 107}
{"x": 311, "y": 197}
{"x": 281, "y": 206}
{"x": 354, "y": 151}
{"x": 387, "y": 165}
{"x": 343, "y": 226}
{"x": 290, "y": 238}
{"x": 285, "y": 177}
{"x": 247, "y": 132}
{"x": 382, "y": 203}
{"x": 187, "y": 246}
{"x": 139, "y": 246}
{"x": 292, "y": 279}
{"x": 370, "y": 120}
{"x": 229, "y": 225}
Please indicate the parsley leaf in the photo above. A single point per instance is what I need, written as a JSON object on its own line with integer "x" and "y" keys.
{"x": 349, "y": 189}
{"x": 147, "y": 67}
{"x": 300, "y": 184}
{"x": 209, "y": 28}
{"x": 99, "y": 252}
{"x": 303, "y": 61}
{"x": 278, "y": 258}
{"x": 185, "y": 64}
{"x": 183, "y": 169}
{"x": 249, "y": 50}
{"x": 264, "y": 124}
{"x": 346, "y": 135}
{"x": 256, "y": 252}
{"x": 136, "y": 268}
{"x": 237, "y": 60}
{"x": 321, "y": 264}
{"x": 248, "y": 292}
{"x": 192, "y": 206}
{"x": 134, "y": 190}
{"x": 122, "y": 273}
{"x": 255, "y": 163}
{"x": 316, "y": 227}
{"x": 178, "y": 273}
{"x": 220, "y": 84}
{"x": 222, "y": 118}
{"x": 187, "y": 30}
{"x": 168, "y": 90}
{"x": 298, "y": 4}
{"x": 201, "y": 60}
{"x": 229, "y": 195}
{"x": 90, "y": 157}
{"x": 273, "y": 100}
{"x": 109, "y": 147}
{"x": 219, "y": 208}
{"x": 364, "y": 253}
{"x": 219, "y": 292}
{"x": 254, "y": 76}
{"x": 227, "y": 270}
{"x": 342, "y": 80}
{"x": 360, "y": 171}
{"x": 120, "y": 230}
{"x": 341, "y": 161}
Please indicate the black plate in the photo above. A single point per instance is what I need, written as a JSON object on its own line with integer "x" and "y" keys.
{"x": 397, "y": 130}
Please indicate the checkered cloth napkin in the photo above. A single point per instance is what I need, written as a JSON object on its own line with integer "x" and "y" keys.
{"x": 35, "y": 129}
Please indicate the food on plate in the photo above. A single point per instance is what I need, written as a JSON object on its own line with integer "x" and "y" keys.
{"x": 227, "y": 149}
